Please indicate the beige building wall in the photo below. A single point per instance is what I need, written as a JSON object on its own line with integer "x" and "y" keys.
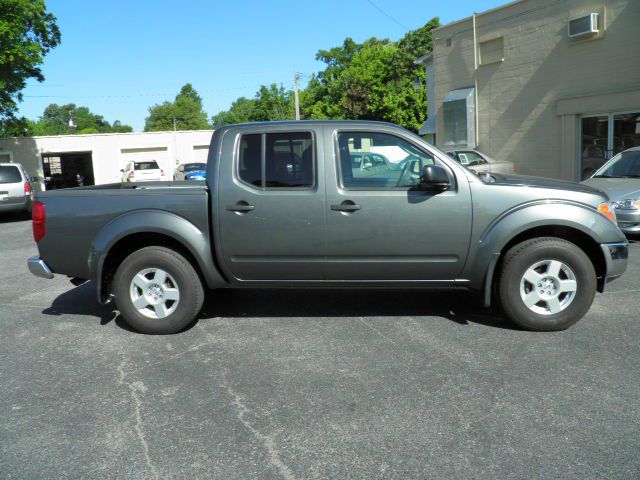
{"x": 110, "y": 152}
{"x": 530, "y": 103}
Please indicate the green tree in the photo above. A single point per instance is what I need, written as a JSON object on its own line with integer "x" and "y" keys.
{"x": 55, "y": 121}
{"x": 186, "y": 111}
{"x": 27, "y": 33}
{"x": 241, "y": 111}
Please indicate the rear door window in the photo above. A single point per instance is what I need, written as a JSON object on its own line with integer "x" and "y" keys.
{"x": 146, "y": 166}
{"x": 10, "y": 174}
{"x": 288, "y": 160}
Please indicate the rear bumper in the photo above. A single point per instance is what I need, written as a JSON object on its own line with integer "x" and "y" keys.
{"x": 20, "y": 206}
{"x": 39, "y": 268}
{"x": 616, "y": 257}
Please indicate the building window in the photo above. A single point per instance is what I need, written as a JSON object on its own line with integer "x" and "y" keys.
{"x": 492, "y": 51}
{"x": 458, "y": 112}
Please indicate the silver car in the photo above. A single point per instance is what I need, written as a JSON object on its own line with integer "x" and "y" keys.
{"x": 481, "y": 163}
{"x": 16, "y": 189}
{"x": 620, "y": 179}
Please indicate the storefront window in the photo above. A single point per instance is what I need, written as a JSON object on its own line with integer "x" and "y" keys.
{"x": 594, "y": 144}
{"x": 603, "y": 136}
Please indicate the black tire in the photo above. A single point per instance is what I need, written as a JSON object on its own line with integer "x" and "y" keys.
{"x": 179, "y": 270}
{"x": 517, "y": 262}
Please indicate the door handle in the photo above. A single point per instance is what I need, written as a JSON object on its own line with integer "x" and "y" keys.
{"x": 347, "y": 206}
{"x": 240, "y": 207}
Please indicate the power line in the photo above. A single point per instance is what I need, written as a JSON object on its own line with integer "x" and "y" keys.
{"x": 387, "y": 15}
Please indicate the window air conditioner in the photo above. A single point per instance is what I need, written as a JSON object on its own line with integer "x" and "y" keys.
{"x": 585, "y": 25}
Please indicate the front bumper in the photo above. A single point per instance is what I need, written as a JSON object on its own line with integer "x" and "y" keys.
{"x": 39, "y": 268}
{"x": 628, "y": 220}
{"x": 616, "y": 257}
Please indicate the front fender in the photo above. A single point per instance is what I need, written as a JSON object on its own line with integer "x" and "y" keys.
{"x": 486, "y": 250}
{"x": 161, "y": 222}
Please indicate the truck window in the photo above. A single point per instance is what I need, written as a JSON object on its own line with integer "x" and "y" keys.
{"x": 393, "y": 162}
{"x": 249, "y": 159}
{"x": 288, "y": 162}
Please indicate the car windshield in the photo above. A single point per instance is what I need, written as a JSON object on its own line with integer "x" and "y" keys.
{"x": 9, "y": 174}
{"x": 192, "y": 167}
{"x": 623, "y": 165}
{"x": 152, "y": 165}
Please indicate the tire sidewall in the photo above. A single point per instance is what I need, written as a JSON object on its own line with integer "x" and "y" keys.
{"x": 179, "y": 270}
{"x": 565, "y": 252}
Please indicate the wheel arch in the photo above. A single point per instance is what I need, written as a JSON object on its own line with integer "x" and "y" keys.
{"x": 578, "y": 224}
{"x": 136, "y": 230}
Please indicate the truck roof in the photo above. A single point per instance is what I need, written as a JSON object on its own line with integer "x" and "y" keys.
{"x": 298, "y": 123}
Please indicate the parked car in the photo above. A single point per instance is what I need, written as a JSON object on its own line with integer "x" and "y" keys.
{"x": 16, "y": 188}
{"x": 191, "y": 171}
{"x": 142, "y": 171}
{"x": 620, "y": 179}
{"x": 283, "y": 206}
{"x": 481, "y": 163}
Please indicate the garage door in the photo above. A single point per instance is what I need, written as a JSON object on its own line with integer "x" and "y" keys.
{"x": 200, "y": 153}
{"x": 159, "y": 154}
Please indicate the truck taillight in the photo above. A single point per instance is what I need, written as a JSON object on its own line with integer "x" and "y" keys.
{"x": 131, "y": 175}
{"x": 27, "y": 189}
{"x": 161, "y": 173}
{"x": 38, "y": 218}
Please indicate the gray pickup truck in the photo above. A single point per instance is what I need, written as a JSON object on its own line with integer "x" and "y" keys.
{"x": 286, "y": 204}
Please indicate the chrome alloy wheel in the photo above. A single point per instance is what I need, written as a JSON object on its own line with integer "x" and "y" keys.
{"x": 548, "y": 287}
{"x": 154, "y": 293}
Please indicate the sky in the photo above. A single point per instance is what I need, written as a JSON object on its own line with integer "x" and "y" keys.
{"x": 120, "y": 57}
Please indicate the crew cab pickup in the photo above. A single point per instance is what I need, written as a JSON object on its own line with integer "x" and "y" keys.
{"x": 286, "y": 204}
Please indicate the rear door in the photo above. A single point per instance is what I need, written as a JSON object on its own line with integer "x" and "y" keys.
{"x": 146, "y": 171}
{"x": 11, "y": 185}
{"x": 271, "y": 199}
{"x": 380, "y": 227}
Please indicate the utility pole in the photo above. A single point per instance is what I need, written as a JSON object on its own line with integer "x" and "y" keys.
{"x": 297, "y": 97}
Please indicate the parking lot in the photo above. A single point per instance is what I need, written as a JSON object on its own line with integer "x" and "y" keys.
{"x": 312, "y": 384}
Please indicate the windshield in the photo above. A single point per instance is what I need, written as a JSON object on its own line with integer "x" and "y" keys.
{"x": 146, "y": 166}
{"x": 623, "y": 165}
{"x": 192, "y": 167}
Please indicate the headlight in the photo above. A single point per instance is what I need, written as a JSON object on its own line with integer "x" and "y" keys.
{"x": 627, "y": 204}
{"x": 607, "y": 210}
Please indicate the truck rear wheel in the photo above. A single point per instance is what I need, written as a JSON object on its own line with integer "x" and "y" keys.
{"x": 157, "y": 291}
{"x": 546, "y": 283}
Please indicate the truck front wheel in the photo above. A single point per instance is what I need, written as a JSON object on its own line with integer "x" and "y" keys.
{"x": 546, "y": 283}
{"x": 157, "y": 291}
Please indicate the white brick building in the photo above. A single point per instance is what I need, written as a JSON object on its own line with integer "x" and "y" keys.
{"x": 99, "y": 157}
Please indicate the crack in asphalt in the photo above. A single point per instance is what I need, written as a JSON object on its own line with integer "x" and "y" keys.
{"x": 135, "y": 389}
{"x": 267, "y": 440}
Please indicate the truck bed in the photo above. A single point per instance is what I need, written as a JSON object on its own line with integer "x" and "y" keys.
{"x": 76, "y": 216}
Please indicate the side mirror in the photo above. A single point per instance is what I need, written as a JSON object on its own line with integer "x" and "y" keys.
{"x": 34, "y": 179}
{"x": 121, "y": 170}
{"x": 435, "y": 177}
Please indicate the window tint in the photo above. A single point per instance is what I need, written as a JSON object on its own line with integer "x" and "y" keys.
{"x": 289, "y": 160}
{"x": 379, "y": 161}
{"x": 10, "y": 174}
{"x": 152, "y": 165}
{"x": 288, "y": 163}
{"x": 250, "y": 159}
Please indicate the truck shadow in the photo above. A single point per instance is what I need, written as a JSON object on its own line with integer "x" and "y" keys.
{"x": 459, "y": 307}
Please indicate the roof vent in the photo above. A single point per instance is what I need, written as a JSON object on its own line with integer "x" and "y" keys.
{"x": 586, "y": 25}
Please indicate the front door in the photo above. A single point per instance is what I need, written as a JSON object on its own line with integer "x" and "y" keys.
{"x": 271, "y": 215}
{"x": 380, "y": 226}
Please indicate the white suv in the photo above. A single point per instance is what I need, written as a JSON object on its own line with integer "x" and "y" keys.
{"x": 16, "y": 189}
{"x": 142, "y": 171}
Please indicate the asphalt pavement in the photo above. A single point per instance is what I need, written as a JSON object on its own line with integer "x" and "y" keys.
{"x": 312, "y": 384}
